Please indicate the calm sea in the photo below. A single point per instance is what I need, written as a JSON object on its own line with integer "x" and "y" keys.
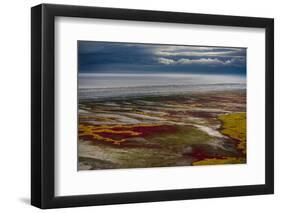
{"x": 103, "y": 86}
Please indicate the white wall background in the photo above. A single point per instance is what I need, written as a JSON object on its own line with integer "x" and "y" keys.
{"x": 15, "y": 105}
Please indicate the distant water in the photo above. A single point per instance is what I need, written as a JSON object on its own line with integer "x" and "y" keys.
{"x": 103, "y": 86}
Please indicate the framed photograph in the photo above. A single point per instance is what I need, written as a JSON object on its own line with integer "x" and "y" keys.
{"x": 139, "y": 106}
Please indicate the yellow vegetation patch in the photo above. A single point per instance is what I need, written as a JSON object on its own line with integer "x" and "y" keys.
{"x": 215, "y": 161}
{"x": 94, "y": 131}
{"x": 234, "y": 126}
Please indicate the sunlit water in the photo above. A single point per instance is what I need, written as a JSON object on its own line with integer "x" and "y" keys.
{"x": 102, "y": 86}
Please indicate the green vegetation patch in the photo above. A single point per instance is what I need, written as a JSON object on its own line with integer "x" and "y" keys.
{"x": 184, "y": 137}
{"x": 234, "y": 126}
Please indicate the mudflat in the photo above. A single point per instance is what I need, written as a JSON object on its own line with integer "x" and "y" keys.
{"x": 200, "y": 128}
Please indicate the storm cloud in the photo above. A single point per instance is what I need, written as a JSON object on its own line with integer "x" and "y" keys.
{"x": 95, "y": 57}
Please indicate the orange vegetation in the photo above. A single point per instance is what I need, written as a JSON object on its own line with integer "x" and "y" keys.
{"x": 117, "y": 134}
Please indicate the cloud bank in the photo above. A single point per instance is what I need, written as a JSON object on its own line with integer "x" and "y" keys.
{"x": 129, "y": 57}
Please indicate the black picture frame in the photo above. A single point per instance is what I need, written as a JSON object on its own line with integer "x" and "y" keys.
{"x": 43, "y": 102}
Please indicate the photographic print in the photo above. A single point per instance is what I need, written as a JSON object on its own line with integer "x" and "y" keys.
{"x": 149, "y": 113}
{"x": 160, "y": 105}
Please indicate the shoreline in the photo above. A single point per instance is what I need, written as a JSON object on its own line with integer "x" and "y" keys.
{"x": 160, "y": 96}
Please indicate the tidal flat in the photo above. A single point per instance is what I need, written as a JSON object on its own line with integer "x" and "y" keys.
{"x": 203, "y": 128}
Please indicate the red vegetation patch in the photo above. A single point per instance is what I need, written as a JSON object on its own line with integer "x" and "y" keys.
{"x": 119, "y": 135}
{"x": 200, "y": 154}
{"x": 86, "y": 137}
{"x": 149, "y": 130}
{"x": 201, "y": 114}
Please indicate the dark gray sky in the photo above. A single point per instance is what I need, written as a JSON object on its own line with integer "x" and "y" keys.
{"x": 113, "y": 57}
